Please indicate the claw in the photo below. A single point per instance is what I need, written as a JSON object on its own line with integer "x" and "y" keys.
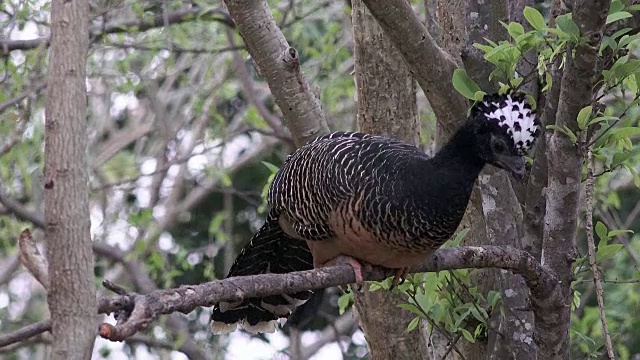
{"x": 399, "y": 278}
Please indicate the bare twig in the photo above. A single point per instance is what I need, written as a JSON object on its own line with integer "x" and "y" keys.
{"x": 122, "y": 26}
{"x": 346, "y": 324}
{"x": 32, "y": 259}
{"x": 592, "y": 254}
{"x": 17, "y": 99}
{"x": 119, "y": 141}
{"x": 25, "y": 333}
{"x": 20, "y": 211}
{"x": 8, "y": 266}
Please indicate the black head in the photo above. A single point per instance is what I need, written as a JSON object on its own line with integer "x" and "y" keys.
{"x": 505, "y": 129}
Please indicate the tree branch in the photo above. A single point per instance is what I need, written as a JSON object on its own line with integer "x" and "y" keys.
{"x": 250, "y": 92}
{"x": 565, "y": 175}
{"x": 20, "y": 211}
{"x": 279, "y": 65}
{"x": 431, "y": 65}
{"x": 140, "y": 25}
{"x": 32, "y": 259}
{"x": 11, "y": 102}
{"x": 592, "y": 254}
{"x": 143, "y": 309}
{"x": 25, "y": 333}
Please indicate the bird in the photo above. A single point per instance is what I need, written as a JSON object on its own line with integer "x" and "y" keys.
{"x": 372, "y": 200}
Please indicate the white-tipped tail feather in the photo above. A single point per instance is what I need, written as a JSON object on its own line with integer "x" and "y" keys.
{"x": 220, "y": 328}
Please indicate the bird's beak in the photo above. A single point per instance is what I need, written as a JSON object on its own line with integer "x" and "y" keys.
{"x": 513, "y": 164}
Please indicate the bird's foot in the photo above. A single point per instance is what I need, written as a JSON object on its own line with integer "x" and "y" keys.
{"x": 354, "y": 263}
{"x": 400, "y": 277}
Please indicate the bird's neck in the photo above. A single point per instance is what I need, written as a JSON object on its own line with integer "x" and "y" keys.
{"x": 458, "y": 157}
{"x": 448, "y": 177}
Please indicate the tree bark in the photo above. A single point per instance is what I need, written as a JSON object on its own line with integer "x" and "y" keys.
{"x": 565, "y": 176}
{"x": 386, "y": 106}
{"x": 463, "y": 24}
{"x": 71, "y": 295}
{"x": 279, "y": 65}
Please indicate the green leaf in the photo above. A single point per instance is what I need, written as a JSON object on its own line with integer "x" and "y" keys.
{"x": 493, "y": 297}
{"x": 620, "y": 157}
{"x": 374, "y": 286}
{"x": 274, "y": 169}
{"x": 515, "y": 82}
{"x": 410, "y": 307}
{"x": 583, "y": 117}
{"x": 616, "y": 5}
{"x": 413, "y": 324}
{"x": 584, "y": 338}
{"x": 607, "y": 251}
{"x": 464, "y": 84}
{"x": 620, "y": 32}
{"x": 141, "y": 218}
{"x": 479, "y": 313}
{"x": 601, "y": 119}
{"x": 601, "y": 231}
{"x": 565, "y": 23}
{"x": 467, "y": 335}
{"x": 459, "y": 236}
{"x": 565, "y": 130}
{"x": 515, "y": 29}
{"x": 479, "y": 95}
{"x": 613, "y": 233}
{"x": 548, "y": 81}
{"x": 618, "y": 16}
{"x": 636, "y": 179}
{"x": 534, "y": 18}
{"x": 621, "y": 133}
{"x": 343, "y": 301}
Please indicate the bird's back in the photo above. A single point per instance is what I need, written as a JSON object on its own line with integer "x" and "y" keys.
{"x": 358, "y": 192}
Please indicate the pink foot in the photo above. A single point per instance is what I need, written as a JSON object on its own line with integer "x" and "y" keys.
{"x": 354, "y": 263}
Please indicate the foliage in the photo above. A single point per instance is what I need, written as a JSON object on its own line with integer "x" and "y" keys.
{"x": 609, "y": 125}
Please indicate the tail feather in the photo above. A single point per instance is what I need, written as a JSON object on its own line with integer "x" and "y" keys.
{"x": 269, "y": 251}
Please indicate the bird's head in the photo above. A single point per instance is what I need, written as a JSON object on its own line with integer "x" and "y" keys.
{"x": 506, "y": 128}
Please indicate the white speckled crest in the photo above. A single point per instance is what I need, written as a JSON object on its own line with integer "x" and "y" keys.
{"x": 513, "y": 114}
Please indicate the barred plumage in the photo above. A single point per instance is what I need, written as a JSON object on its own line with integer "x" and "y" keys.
{"x": 375, "y": 199}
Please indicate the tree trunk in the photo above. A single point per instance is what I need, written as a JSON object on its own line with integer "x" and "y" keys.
{"x": 72, "y": 295}
{"x": 498, "y": 202}
{"x": 386, "y": 106}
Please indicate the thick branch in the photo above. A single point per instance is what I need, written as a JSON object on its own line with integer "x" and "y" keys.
{"x": 25, "y": 333}
{"x": 17, "y": 209}
{"x": 32, "y": 259}
{"x": 279, "y": 65}
{"x": 565, "y": 175}
{"x": 431, "y": 66}
{"x": 144, "y": 309}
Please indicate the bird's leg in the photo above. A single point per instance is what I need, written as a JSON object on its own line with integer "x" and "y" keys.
{"x": 354, "y": 263}
{"x": 400, "y": 277}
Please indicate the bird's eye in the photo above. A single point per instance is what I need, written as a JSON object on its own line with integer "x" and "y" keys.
{"x": 499, "y": 147}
